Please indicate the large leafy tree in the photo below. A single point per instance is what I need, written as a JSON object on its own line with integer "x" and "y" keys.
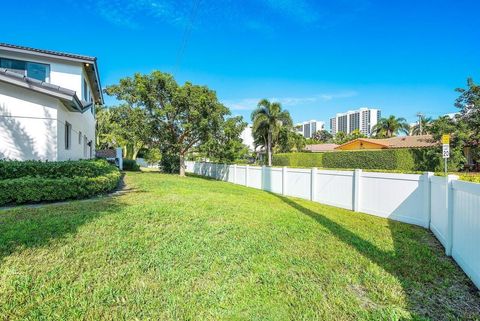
{"x": 322, "y": 136}
{"x": 124, "y": 126}
{"x": 423, "y": 126}
{"x": 390, "y": 127}
{"x": 226, "y": 145}
{"x": 289, "y": 140}
{"x": 459, "y": 136}
{"x": 181, "y": 117}
{"x": 469, "y": 104}
{"x": 105, "y": 137}
{"x": 268, "y": 118}
{"x": 132, "y": 127}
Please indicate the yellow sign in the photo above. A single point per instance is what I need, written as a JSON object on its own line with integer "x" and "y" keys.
{"x": 445, "y": 139}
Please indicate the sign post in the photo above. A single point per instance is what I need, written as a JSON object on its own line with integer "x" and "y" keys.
{"x": 446, "y": 150}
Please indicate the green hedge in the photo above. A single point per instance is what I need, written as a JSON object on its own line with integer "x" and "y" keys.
{"x": 298, "y": 159}
{"x": 397, "y": 159}
{"x": 388, "y": 159}
{"x": 47, "y": 185}
{"x": 81, "y": 168}
{"x": 130, "y": 165}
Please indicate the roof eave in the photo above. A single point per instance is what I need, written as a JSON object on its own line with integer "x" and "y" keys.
{"x": 68, "y": 98}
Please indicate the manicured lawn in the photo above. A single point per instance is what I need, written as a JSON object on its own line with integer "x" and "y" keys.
{"x": 195, "y": 249}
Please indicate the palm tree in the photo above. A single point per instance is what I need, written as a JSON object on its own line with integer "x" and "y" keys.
{"x": 267, "y": 119}
{"x": 423, "y": 126}
{"x": 390, "y": 127}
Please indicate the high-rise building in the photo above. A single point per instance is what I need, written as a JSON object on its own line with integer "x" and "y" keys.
{"x": 363, "y": 119}
{"x": 308, "y": 128}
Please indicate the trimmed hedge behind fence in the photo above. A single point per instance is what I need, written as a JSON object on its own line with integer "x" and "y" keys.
{"x": 388, "y": 159}
{"x": 33, "y": 181}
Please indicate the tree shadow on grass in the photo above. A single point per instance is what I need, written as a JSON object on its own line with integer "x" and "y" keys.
{"x": 434, "y": 285}
{"x": 32, "y": 227}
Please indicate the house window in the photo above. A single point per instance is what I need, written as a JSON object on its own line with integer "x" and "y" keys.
{"x": 68, "y": 135}
{"x": 30, "y": 69}
{"x": 86, "y": 93}
{"x": 79, "y": 138}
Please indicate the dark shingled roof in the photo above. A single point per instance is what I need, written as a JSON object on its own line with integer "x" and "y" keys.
{"x": 49, "y": 52}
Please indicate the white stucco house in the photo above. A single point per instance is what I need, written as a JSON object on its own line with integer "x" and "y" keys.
{"x": 47, "y": 104}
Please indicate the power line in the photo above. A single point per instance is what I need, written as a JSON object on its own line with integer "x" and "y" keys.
{"x": 186, "y": 33}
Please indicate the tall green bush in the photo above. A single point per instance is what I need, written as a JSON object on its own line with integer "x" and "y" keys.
{"x": 387, "y": 159}
{"x": 130, "y": 165}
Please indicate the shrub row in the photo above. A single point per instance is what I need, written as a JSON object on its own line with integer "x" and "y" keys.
{"x": 32, "y": 181}
{"x": 298, "y": 159}
{"x": 388, "y": 159}
{"x": 82, "y": 168}
{"x": 39, "y": 189}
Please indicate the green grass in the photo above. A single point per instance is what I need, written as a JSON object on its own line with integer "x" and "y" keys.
{"x": 195, "y": 249}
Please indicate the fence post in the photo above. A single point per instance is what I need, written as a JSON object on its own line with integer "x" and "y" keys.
{"x": 313, "y": 183}
{"x": 262, "y": 183}
{"x": 246, "y": 174}
{"x": 357, "y": 174}
{"x": 427, "y": 197}
{"x": 449, "y": 189}
{"x": 284, "y": 180}
{"x": 234, "y": 173}
{"x": 119, "y": 156}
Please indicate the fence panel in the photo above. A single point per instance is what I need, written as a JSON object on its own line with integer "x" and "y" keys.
{"x": 335, "y": 188}
{"x": 298, "y": 182}
{"x": 272, "y": 181}
{"x": 222, "y": 172}
{"x": 255, "y": 177}
{"x": 439, "y": 208}
{"x": 231, "y": 174}
{"x": 396, "y": 196}
{"x": 466, "y": 228}
{"x": 416, "y": 199}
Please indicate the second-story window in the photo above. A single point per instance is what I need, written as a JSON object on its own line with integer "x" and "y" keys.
{"x": 86, "y": 91}
{"x": 27, "y": 68}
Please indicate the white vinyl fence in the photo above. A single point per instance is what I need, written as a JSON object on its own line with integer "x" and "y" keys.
{"x": 450, "y": 208}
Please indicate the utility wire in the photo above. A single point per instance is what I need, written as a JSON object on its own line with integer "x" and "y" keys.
{"x": 186, "y": 34}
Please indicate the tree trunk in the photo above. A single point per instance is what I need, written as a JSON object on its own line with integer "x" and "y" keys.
{"x": 269, "y": 148}
{"x": 182, "y": 165}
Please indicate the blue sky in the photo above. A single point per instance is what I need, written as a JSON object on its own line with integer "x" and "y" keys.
{"x": 316, "y": 57}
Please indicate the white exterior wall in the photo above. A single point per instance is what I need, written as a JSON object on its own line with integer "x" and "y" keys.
{"x": 64, "y": 74}
{"x": 84, "y": 123}
{"x": 28, "y": 124}
{"x": 450, "y": 208}
{"x": 24, "y": 113}
{"x": 247, "y": 138}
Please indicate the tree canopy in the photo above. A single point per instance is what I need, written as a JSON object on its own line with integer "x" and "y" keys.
{"x": 391, "y": 127}
{"x": 180, "y": 117}
{"x": 268, "y": 119}
{"x": 423, "y": 126}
